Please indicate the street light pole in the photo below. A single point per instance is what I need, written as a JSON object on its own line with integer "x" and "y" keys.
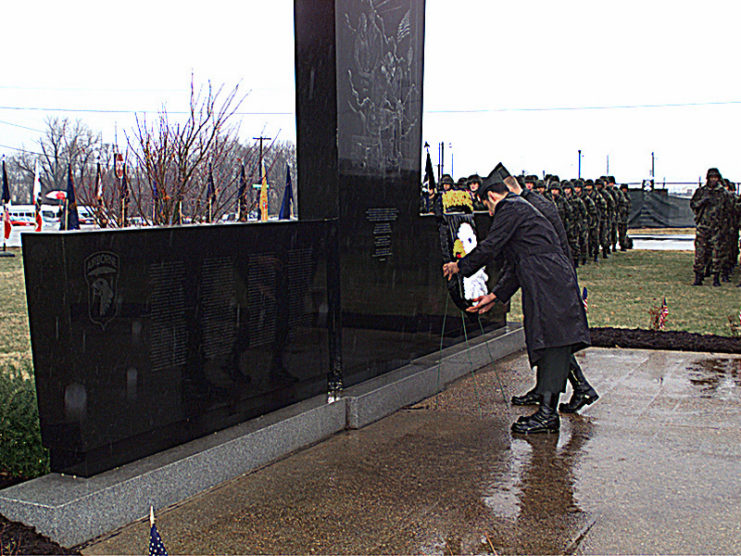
{"x": 579, "y": 173}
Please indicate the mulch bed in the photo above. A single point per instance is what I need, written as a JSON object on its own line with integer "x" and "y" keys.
{"x": 668, "y": 340}
{"x": 16, "y": 538}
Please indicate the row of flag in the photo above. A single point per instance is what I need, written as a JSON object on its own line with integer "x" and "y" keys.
{"x": 70, "y": 218}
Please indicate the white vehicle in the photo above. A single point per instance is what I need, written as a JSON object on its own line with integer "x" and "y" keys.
{"x": 23, "y": 217}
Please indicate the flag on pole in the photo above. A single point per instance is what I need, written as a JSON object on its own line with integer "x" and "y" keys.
{"x": 156, "y": 546}
{"x": 211, "y": 193}
{"x": 6, "y": 188}
{"x": 663, "y": 314}
{"x": 263, "y": 193}
{"x": 6, "y": 220}
{"x": 72, "y": 219}
{"x": 124, "y": 196}
{"x": 242, "y": 215}
{"x": 5, "y": 200}
{"x": 98, "y": 184}
{"x": 36, "y": 195}
{"x": 286, "y": 207}
{"x": 584, "y": 295}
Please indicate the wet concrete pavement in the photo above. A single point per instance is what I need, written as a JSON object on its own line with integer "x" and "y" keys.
{"x": 653, "y": 467}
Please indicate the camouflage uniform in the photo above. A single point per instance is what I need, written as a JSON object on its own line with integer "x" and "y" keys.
{"x": 731, "y": 248}
{"x": 593, "y": 211}
{"x": 575, "y": 220}
{"x": 624, "y": 205}
{"x": 603, "y": 208}
{"x": 580, "y": 200}
{"x": 611, "y": 190}
{"x": 711, "y": 206}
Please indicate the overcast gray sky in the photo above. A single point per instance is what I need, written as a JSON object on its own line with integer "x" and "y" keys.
{"x": 527, "y": 83}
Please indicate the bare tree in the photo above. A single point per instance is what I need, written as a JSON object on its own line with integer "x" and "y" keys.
{"x": 173, "y": 157}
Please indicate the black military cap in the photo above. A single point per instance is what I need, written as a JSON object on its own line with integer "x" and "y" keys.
{"x": 497, "y": 175}
{"x": 579, "y": 182}
{"x": 599, "y": 181}
{"x": 623, "y": 186}
{"x": 589, "y": 182}
{"x": 713, "y": 172}
{"x": 539, "y": 184}
{"x": 610, "y": 179}
{"x": 567, "y": 185}
{"x": 531, "y": 179}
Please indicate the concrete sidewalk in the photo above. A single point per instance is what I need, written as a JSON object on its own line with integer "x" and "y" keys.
{"x": 653, "y": 467}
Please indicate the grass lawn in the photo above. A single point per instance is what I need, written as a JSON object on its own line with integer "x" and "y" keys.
{"x": 15, "y": 341}
{"x": 623, "y": 288}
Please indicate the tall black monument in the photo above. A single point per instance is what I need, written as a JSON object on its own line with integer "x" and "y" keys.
{"x": 359, "y": 68}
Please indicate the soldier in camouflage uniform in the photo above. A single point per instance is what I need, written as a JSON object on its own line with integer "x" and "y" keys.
{"x": 731, "y": 249}
{"x": 711, "y": 206}
{"x": 593, "y": 212}
{"x": 540, "y": 187}
{"x": 575, "y": 220}
{"x": 603, "y": 206}
{"x": 623, "y": 216}
{"x": 584, "y": 219}
{"x": 611, "y": 190}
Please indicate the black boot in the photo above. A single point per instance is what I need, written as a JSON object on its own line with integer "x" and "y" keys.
{"x": 583, "y": 394}
{"x": 528, "y": 398}
{"x": 725, "y": 277}
{"x": 544, "y": 420}
{"x": 698, "y": 278}
{"x": 716, "y": 279}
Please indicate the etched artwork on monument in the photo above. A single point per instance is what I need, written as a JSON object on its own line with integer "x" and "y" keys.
{"x": 381, "y": 82}
{"x": 458, "y": 239}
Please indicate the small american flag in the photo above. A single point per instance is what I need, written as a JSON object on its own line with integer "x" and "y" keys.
{"x": 584, "y": 295}
{"x": 663, "y": 314}
{"x": 156, "y": 546}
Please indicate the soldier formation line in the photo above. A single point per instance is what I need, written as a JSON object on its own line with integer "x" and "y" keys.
{"x": 595, "y": 216}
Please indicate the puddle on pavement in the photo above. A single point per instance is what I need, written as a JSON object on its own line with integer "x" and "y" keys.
{"x": 716, "y": 378}
{"x": 536, "y": 494}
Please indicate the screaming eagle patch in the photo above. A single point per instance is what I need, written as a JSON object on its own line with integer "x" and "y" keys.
{"x": 101, "y": 274}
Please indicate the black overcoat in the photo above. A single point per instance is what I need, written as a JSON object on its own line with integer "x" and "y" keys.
{"x": 552, "y": 307}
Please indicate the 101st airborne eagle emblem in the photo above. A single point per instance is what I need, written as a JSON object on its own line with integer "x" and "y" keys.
{"x": 101, "y": 273}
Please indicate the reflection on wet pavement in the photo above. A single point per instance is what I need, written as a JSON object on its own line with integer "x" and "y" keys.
{"x": 652, "y": 467}
{"x": 717, "y": 378}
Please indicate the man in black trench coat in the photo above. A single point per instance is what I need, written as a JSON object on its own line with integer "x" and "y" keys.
{"x": 554, "y": 319}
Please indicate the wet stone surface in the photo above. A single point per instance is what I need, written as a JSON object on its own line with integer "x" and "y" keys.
{"x": 652, "y": 467}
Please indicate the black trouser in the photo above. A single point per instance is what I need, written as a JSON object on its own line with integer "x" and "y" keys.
{"x": 553, "y": 369}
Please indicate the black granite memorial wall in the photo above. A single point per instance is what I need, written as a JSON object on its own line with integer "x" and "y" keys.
{"x": 145, "y": 339}
{"x": 359, "y": 67}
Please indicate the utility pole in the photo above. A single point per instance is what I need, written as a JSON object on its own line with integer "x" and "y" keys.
{"x": 579, "y": 171}
{"x": 652, "y": 171}
{"x": 607, "y": 172}
{"x": 259, "y": 162}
